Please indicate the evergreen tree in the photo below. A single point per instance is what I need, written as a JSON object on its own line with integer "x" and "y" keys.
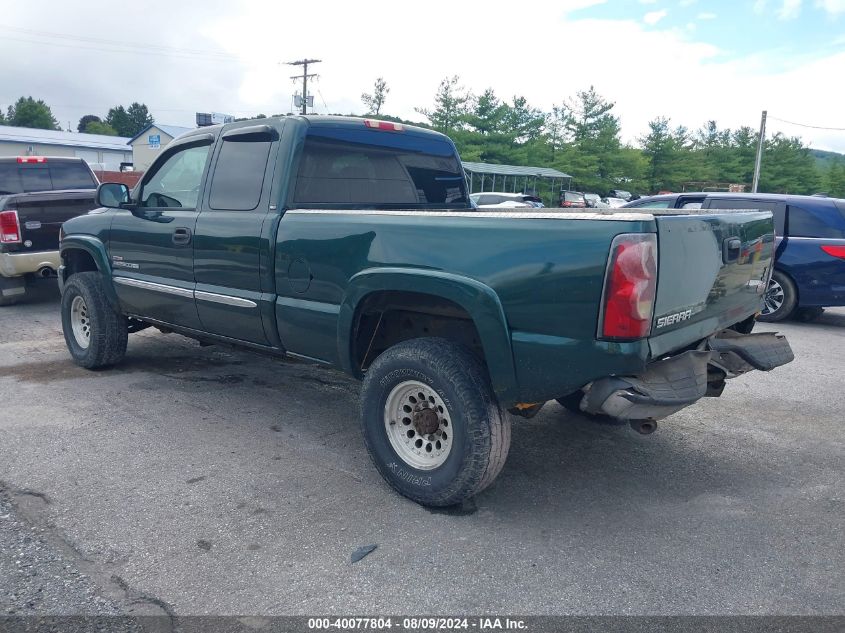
{"x": 27, "y": 112}
{"x": 450, "y": 106}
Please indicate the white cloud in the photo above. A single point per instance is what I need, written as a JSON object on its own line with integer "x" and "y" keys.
{"x": 834, "y": 7}
{"x": 706, "y": 16}
{"x": 789, "y": 10}
{"x": 648, "y": 1}
{"x": 653, "y": 17}
{"x": 760, "y": 6}
{"x": 687, "y": 3}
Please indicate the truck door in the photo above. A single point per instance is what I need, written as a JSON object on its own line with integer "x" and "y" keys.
{"x": 152, "y": 249}
{"x": 231, "y": 257}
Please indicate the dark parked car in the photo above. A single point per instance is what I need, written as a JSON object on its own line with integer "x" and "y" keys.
{"x": 809, "y": 269}
{"x": 37, "y": 194}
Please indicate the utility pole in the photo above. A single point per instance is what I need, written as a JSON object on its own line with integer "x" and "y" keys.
{"x": 760, "y": 143}
{"x": 305, "y": 77}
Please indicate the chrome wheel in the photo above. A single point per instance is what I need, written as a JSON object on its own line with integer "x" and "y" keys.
{"x": 773, "y": 300}
{"x": 418, "y": 425}
{"x": 80, "y": 322}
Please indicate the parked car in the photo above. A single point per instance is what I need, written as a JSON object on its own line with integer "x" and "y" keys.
{"x": 572, "y": 200}
{"x": 614, "y": 203}
{"x": 619, "y": 193}
{"x": 487, "y": 199}
{"x": 809, "y": 272}
{"x": 592, "y": 200}
{"x": 364, "y": 253}
{"x": 37, "y": 194}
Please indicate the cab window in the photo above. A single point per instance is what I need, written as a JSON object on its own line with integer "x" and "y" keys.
{"x": 176, "y": 182}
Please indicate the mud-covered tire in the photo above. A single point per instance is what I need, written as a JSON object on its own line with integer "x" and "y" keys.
{"x": 780, "y": 300}
{"x": 12, "y": 290}
{"x": 107, "y": 329}
{"x": 480, "y": 432}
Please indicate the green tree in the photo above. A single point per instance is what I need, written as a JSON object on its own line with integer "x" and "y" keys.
{"x": 98, "y": 127}
{"x": 85, "y": 120}
{"x": 450, "y": 106}
{"x": 2, "y": 117}
{"x": 660, "y": 148}
{"x": 835, "y": 178}
{"x": 375, "y": 101}
{"x": 129, "y": 121}
{"x": 788, "y": 167}
{"x": 27, "y": 112}
{"x": 594, "y": 131}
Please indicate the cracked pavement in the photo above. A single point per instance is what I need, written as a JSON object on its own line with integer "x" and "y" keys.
{"x": 207, "y": 481}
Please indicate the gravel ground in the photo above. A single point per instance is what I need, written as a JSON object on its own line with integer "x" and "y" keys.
{"x": 208, "y": 481}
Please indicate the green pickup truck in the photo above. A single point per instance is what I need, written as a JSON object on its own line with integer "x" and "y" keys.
{"x": 353, "y": 243}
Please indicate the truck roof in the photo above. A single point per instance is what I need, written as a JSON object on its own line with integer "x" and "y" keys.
{"x": 315, "y": 120}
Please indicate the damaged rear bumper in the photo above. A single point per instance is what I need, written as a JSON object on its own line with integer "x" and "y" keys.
{"x": 670, "y": 384}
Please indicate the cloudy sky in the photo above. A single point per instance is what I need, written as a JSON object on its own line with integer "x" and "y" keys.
{"x": 690, "y": 60}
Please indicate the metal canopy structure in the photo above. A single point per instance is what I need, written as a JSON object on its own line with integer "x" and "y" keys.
{"x": 493, "y": 177}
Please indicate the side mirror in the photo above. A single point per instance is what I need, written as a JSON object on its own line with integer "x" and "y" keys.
{"x": 113, "y": 195}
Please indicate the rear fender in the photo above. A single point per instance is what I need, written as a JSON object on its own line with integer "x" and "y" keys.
{"x": 476, "y": 298}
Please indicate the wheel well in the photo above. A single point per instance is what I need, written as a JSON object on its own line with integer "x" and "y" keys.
{"x": 386, "y": 318}
{"x": 78, "y": 261}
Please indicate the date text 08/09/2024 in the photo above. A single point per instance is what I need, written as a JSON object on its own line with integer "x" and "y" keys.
{"x": 417, "y": 623}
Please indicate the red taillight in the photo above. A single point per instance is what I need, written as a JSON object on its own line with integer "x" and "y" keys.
{"x": 387, "y": 126}
{"x": 10, "y": 227}
{"x": 837, "y": 250}
{"x": 32, "y": 159}
{"x": 630, "y": 286}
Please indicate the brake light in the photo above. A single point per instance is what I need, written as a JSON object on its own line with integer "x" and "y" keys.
{"x": 387, "y": 126}
{"x": 32, "y": 159}
{"x": 837, "y": 250}
{"x": 630, "y": 286}
{"x": 10, "y": 227}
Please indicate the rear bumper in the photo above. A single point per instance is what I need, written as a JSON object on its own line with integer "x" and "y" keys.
{"x": 669, "y": 385}
{"x": 17, "y": 264}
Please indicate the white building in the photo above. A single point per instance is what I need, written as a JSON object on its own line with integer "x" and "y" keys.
{"x": 148, "y": 143}
{"x": 100, "y": 151}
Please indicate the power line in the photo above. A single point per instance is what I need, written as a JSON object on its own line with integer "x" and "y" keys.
{"x": 812, "y": 127}
{"x": 106, "y": 45}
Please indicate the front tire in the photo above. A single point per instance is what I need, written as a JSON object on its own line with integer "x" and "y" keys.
{"x": 431, "y": 422}
{"x": 780, "y": 299}
{"x": 95, "y": 333}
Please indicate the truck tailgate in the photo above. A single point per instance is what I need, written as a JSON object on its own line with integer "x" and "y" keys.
{"x": 41, "y": 214}
{"x": 712, "y": 269}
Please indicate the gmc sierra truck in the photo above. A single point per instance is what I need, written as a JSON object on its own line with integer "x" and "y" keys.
{"x": 37, "y": 194}
{"x": 353, "y": 243}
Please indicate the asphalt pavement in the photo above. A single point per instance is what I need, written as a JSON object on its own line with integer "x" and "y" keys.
{"x": 208, "y": 481}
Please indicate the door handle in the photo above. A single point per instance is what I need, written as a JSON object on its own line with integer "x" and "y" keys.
{"x": 182, "y": 235}
{"x": 731, "y": 248}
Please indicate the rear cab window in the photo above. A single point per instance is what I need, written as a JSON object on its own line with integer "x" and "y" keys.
{"x": 345, "y": 167}
{"x": 47, "y": 176}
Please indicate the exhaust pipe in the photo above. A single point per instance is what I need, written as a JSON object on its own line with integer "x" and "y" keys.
{"x": 644, "y": 427}
{"x": 45, "y": 272}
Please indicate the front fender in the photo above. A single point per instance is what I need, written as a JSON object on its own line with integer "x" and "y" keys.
{"x": 479, "y": 300}
{"x": 97, "y": 251}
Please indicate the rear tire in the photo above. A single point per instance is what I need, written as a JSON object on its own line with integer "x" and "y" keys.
{"x": 431, "y": 422}
{"x": 95, "y": 333}
{"x": 780, "y": 299}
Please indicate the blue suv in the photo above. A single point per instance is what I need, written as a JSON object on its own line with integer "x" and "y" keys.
{"x": 810, "y": 237}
